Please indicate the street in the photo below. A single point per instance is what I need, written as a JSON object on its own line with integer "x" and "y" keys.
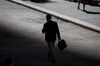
{"x": 21, "y": 39}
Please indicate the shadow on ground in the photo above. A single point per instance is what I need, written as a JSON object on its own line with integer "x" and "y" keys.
{"x": 94, "y": 3}
{"x": 27, "y": 51}
{"x": 40, "y": 1}
{"x": 90, "y": 12}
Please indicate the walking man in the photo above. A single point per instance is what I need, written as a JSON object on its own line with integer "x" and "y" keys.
{"x": 84, "y": 4}
{"x": 51, "y": 31}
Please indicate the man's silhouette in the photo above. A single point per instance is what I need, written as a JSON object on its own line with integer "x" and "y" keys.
{"x": 51, "y": 31}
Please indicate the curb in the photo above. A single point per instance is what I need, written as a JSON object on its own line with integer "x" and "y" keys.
{"x": 60, "y": 16}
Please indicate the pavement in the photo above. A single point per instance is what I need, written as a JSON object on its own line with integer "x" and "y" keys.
{"x": 22, "y": 40}
{"x": 52, "y": 8}
{"x": 69, "y": 8}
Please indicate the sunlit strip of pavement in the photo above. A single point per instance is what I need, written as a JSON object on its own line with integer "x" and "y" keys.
{"x": 58, "y": 15}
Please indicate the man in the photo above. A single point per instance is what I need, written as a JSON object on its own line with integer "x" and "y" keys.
{"x": 84, "y": 3}
{"x": 51, "y": 31}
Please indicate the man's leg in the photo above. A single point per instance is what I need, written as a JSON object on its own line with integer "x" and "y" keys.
{"x": 79, "y": 1}
{"x": 50, "y": 53}
{"x": 84, "y": 3}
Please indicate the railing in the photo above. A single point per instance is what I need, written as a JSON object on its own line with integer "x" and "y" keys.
{"x": 58, "y": 15}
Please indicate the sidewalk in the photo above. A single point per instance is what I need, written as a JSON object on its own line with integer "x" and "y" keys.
{"x": 47, "y": 8}
{"x": 70, "y": 9}
{"x": 21, "y": 39}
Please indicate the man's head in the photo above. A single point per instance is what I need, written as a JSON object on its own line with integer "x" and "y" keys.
{"x": 48, "y": 17}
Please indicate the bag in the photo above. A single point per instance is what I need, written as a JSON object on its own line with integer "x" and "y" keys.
{"x": 62, "y": 44}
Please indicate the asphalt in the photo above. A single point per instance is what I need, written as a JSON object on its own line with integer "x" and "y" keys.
{"x": 22, "y": 40}
{"x": 66, "y": 7}
{"x": 73, "y": 15}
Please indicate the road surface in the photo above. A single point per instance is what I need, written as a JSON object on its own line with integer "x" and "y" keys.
{"x": 21, "y": 39}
